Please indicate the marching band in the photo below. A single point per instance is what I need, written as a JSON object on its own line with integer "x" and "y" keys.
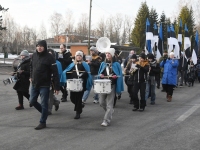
{"x": 50, "y": 72}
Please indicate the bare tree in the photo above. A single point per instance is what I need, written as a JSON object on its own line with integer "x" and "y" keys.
{"x": 69, "y": 22}
{"x": 43, "y": 32}
{"x": 129, "y": 22}
{"x": 82, "y": 27}
{"x": 101, "y": 27}
{"x": 110, "y": 29}
{"x": 118, "y": 21}
{"x": 56, "y": 23}
{"x": 34, "y": 36}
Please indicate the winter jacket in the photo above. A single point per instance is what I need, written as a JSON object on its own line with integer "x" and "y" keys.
{"x": 42, "y": 66}
{"x": 66, "y": 60}
{"x": 95, "y": 64}
{"x": 182, "y": 64}
{"x": 140, "y": 75}
{"x": 155, "y": 68}
{"x": 23, "y": 82}
{"x": 170, "y": 71}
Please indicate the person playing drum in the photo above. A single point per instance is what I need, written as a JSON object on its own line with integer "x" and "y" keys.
{"x": 110, "y": 69}
{"x": 78, "y": 69}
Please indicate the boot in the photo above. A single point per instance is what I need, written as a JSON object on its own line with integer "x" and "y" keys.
{"x": 77, "y": 116}
{"x": 40, "y": 126}
{"x": 20, "y": 107}
{"x": 169, "y": 98}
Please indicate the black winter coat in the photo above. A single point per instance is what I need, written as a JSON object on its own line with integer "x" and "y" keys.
{"x": 182, "y": 66}
{"x": 23, "y": 82}
{"x": 42, "y": 66}
{"x": 95, "y": 64}
{"x": 66, "y": 60}
{"x": 155, "y": 69}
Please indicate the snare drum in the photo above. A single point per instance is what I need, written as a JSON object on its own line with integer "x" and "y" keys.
{"x": 75, "y": 85}
{"x": 102, "y": 86}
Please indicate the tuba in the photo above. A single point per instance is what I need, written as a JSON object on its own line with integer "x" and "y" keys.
{"x": 103, "y": 44}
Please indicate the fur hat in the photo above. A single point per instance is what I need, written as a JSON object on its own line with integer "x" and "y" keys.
{"x": 42, "y": 43}
{"x": 24, "y": 53}
{"x": 134, "y": 56}
{"x": 142, "y": 55}
{"x": 79, "y": 53}
{"x": 111, "y": 51}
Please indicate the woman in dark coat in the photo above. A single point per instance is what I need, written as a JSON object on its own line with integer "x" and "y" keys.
{"x": 23, "y": 75}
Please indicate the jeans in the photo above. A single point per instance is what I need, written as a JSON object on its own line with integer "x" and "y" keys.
{"x": 87, "y": 92}
{"x": 43, "y": 107}
{"x": 152, "y": 87}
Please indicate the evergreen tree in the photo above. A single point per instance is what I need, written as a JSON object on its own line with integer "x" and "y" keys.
{"x": 1, "y": 20}
{"x": 176, "y": 26}
{"x": 153, "y": 18}
{"x": 187, "y": 17}
{"x": 138, "y": 34}
{"x": 164, "y": 22}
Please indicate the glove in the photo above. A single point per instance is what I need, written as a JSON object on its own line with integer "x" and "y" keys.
{"x": 114, "y": 77}
{"x": 138, "y": 66}
{"x": 101, "y": 76}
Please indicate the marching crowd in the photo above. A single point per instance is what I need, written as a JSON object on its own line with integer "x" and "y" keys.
{"x": 48, "y": 72}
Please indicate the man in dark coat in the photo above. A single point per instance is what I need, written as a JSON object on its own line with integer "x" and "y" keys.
{"x": 42, "y": 66}
{"x": 182, "y": 68}
{"x": 65, "y": 59}
{"x": 23, "y": 74}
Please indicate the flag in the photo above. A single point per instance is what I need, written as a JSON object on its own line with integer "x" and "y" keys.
{"x": 154, "y": 42}
{"x": 160, "y": 43}
{"x": 194, "y": 57}
{"x": 174, "y": 43}
{"x": 196, "y": 45}
{"x": 180, "y": 36}
{"x": 149, "y": 36}
{"x": 170, "y": 47}
{"x": 187, "y": 43}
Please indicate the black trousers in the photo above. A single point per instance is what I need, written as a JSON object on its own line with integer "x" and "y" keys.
{"x": 141, "y": 86}
{"x": 76, "y": 98}
{"x": 157, "y": 78}
{"x": 64, "y": 91}
{"x": 168, "y": 88}
{"x": 21, "y": 96}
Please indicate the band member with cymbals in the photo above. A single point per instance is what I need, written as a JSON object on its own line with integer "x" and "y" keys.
{"x": 111, "y": 69}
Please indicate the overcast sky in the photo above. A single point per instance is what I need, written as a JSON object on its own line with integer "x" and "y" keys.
{"x": 33, "y": 12}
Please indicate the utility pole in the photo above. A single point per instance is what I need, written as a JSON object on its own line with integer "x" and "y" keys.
{"x": 89, "y": 25}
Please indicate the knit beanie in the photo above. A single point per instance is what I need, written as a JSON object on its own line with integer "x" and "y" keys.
{"x": 111, "y": 51}
{"x": 150, "y": 56}
{"x": 94, "y": 49}
{"x": 142, "y": 55}
{"x": 79, "y": 53}
{"x": 134, "y": 56}
{"x": 24, "y": 53}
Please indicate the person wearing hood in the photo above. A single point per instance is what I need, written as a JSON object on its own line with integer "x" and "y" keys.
{"x": 23, "y": 83}
{"x": 42, "y": 66}
{"x": 110, "y": 69}
{"x": 154, "y": 69}
{"x": 140, "y": 77}
{"x": 169, "y": 79}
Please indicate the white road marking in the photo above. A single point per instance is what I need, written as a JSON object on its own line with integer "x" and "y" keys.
{"x": 188, "y": 113}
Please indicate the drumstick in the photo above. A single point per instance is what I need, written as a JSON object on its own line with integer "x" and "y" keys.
{"x": 75, "y": 70}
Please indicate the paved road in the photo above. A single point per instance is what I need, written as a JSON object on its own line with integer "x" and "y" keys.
{"x": 164, "y": 126}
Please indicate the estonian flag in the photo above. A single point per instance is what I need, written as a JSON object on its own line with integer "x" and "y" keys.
{"x": 149, "y": 37}
{"x": 154, "y": 42}
{"x": 160, "y": 43}
{"x": 170, "y": 47}
{"x": 195, "y": 51}
{"x": 187, "y": 43}
{"x": 174, "y": 43}
{"x": 180, "y": 36}
{"x": 196, "y": 46}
